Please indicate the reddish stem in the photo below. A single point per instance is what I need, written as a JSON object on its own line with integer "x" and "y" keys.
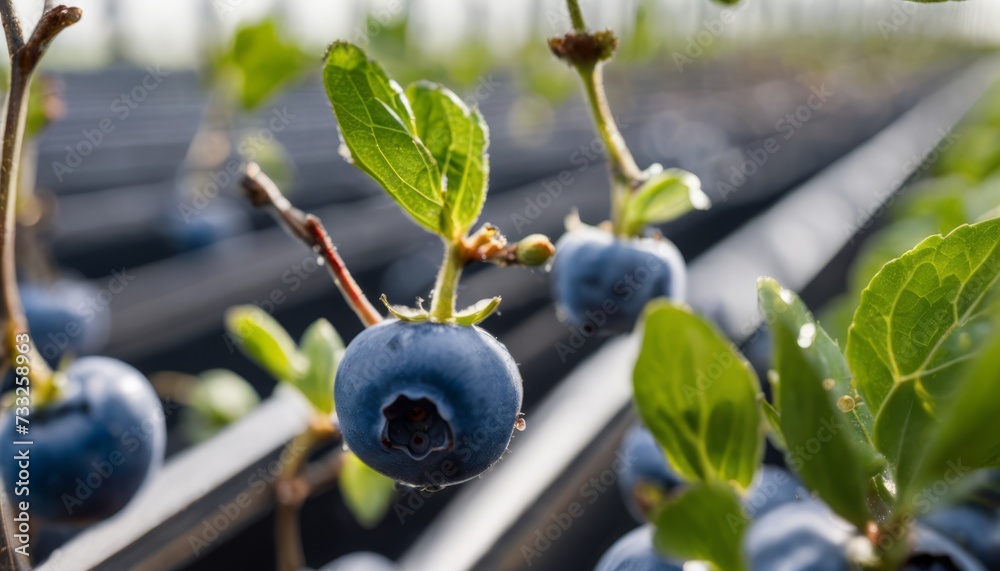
{"x": 263, "y": 193}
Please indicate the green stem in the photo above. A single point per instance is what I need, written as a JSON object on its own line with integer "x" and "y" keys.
{"x": 443, "y": 300}
{"x": 624, "y": 173}
{"x": 623, "y": 170}
{"x": 576, "y": 15}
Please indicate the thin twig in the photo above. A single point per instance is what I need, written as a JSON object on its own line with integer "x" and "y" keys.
{"x": 291, "y": 490}
{"x": 263, "y": 193}
{"x": 11, "y": 26}
{"x": 24, "y": 58}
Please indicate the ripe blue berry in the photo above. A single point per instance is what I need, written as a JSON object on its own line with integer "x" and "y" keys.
{"x": 974, "y": 527}
{"x": 65, "y": 317}
{"x": 798, "y": 536}
{"x": 602, "y": 283}
{"x": 646, "y": 469}
{"x": 933, "y": 551}
{"x": 773, "y": 487}
{"x": 93, "y": 447}
{"x": 427, "y": 404}
{"x": 360, "y": 561}
{"x": 634, "y": 551}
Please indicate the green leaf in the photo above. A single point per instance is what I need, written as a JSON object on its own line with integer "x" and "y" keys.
{"x": 961, "y": 441}
{"x": 698, "y": 396}
{"x": 666, "y": 195}
{"x": 366, "y": 493}
{"x": 218, "y": 399}
{"x": 265, "y": 341}
{"x": 773, "y": 418}
{"x": 919, "y": 320}
{"x": 888, "y": 244}
{"x": 457, "y": 137}
{"x": 975, "y": 155}
{"x": 223, "y": 396}
{"x": 828, "y": 446}
{"x": 323, "y": 348}
{"x": 259, "y": 63}
{"x": 477, "y": 312}
{"x": 403, "y": 313}
{"x": 380, "y": 133}
{"x": 704, "y": 523}
{"x": 901, "y": 430}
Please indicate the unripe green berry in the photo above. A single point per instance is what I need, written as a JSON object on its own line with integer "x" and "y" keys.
{"x": 534, "y": 250}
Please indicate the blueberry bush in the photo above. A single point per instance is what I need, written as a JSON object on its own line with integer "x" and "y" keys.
{"x": 92, "y": 430}
{"x": 891, "y": 455}
{"x": 870, "y": 431}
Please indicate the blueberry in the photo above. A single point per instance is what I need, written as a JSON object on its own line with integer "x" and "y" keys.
{"x": 933, "y": 551}
{"x": 65, "y": 317}
{"x": 196, "y": 228}
{"x": 796, "y": 537}
{"x": 93, "y": 447}
{"x": 985, "y": 487}
{"x": 974, "y": 527}
{"x": 602, "y": 283}
{"x": 646, "y": 471}
{"x": 427, "y": 404}
{"x": 360, "y": 561}
{"x": 634, "y": 551}
{"x": 773, "y": 487}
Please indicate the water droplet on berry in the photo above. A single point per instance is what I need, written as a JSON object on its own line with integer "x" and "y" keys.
{"x": 320, "y": 261}
{"x": 520, "y": 424}
{"x": 846, "y": 403}
{"x": 807, "y": 334}
{"x": 828, "y": 384}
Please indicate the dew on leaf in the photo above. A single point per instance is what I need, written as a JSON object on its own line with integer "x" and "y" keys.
{"x": 787, "y": 296}
{"x": 846, "y": 403}
{"x": 772, "y": 376}
{"x": 807, "y": 334}
{"x": 828, "y": 384}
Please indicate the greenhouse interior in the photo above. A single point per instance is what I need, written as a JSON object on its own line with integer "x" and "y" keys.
{"x": 455, "y": 285}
